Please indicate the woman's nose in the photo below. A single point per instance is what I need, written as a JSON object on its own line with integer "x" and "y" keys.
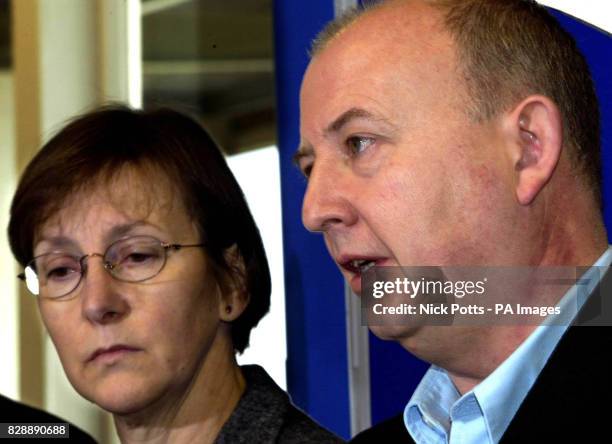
{"x": 101, "y": 300}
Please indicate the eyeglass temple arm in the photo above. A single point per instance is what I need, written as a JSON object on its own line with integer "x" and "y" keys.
{"x": 179, "y": 246}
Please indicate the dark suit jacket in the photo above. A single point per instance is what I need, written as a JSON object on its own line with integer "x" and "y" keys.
{"x": 265, "y": 415}
{"x": 15, "y": 412}
{"x": 570, "y": 399}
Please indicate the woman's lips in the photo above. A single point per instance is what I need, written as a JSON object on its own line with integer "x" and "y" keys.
{"x": 111, "y": 354}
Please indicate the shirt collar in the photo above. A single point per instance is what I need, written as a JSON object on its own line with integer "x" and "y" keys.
{"x": 431, "y": 403}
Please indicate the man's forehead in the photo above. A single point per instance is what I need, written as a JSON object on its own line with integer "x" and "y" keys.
{"x": 397, "y": 32}
{"x": 405, "y": 25}
{"x": 379, "y": 58}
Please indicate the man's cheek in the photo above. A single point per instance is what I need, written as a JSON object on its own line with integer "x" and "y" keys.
{"x": 329, "y": 243}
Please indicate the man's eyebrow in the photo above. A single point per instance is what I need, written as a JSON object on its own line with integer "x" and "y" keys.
{"x": 305, "y": 150}
{"x": 353, "y": 113}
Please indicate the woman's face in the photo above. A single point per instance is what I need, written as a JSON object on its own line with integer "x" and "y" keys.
{"x": 126, "y": 346}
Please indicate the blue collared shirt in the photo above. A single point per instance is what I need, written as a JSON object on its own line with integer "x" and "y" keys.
{"x": 437, "y": 413}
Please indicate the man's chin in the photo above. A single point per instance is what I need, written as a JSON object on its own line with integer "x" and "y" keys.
{"x": 398, "y": 333}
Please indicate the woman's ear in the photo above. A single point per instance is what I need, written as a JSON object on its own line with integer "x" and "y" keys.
{"x": 535, "y": 134}
{"x": 234, "y": 293}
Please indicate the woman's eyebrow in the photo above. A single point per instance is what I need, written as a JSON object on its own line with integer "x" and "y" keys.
{"x": 117, "y": 232}
{"x": 122, "y": 230}
{"x": 55, "y": 242}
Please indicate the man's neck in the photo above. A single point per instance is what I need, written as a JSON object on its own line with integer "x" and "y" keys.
{"x": 502, "y": 341}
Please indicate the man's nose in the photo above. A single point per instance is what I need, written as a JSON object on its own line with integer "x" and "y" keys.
{"x": 101, "y": 301}
{"x": 327, "y": 202}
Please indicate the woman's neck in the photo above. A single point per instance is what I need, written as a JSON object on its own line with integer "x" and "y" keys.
{"x": 194, "y": 412}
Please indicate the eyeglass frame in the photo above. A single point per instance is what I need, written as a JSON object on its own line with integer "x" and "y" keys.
{"x": 108, "y": 266}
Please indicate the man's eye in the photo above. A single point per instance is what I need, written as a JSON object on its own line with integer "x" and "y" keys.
{"x": 303, "y": 161}
{"x": 306, "y": 169}
{"x": 358, "y": 144}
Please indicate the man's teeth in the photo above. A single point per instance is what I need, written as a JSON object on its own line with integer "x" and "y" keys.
{"x": 363, "y": 265}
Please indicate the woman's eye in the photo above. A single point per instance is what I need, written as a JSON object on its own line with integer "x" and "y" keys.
{"x": 358, "y": 144}
{"x": 60, "y": 273}
{"x": 138, "y": 258}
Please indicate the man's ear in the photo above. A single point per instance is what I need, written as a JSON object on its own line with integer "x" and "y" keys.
{"x": 234, "y": 293}
{"x": 535, "y": 131}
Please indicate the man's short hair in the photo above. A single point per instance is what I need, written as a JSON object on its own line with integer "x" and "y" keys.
{"x": 507, "y": 50}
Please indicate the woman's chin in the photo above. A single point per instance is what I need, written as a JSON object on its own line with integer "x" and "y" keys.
{"x": 121, "y": 399}
{"x": 122, "y": 405}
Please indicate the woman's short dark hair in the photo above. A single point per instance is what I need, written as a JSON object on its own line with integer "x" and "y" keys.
{"x": 97, "y": 145}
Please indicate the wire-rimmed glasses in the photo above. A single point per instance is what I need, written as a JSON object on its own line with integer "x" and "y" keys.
{"x": 57, "y": 274}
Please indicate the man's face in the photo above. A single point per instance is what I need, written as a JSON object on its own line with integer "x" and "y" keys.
{"x": 398, "y": 172}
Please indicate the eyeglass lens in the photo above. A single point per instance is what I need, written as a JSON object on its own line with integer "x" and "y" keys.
{"x": 131, "y": 260}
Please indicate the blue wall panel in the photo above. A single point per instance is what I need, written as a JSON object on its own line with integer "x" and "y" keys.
{"x": 316, "y": 333}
